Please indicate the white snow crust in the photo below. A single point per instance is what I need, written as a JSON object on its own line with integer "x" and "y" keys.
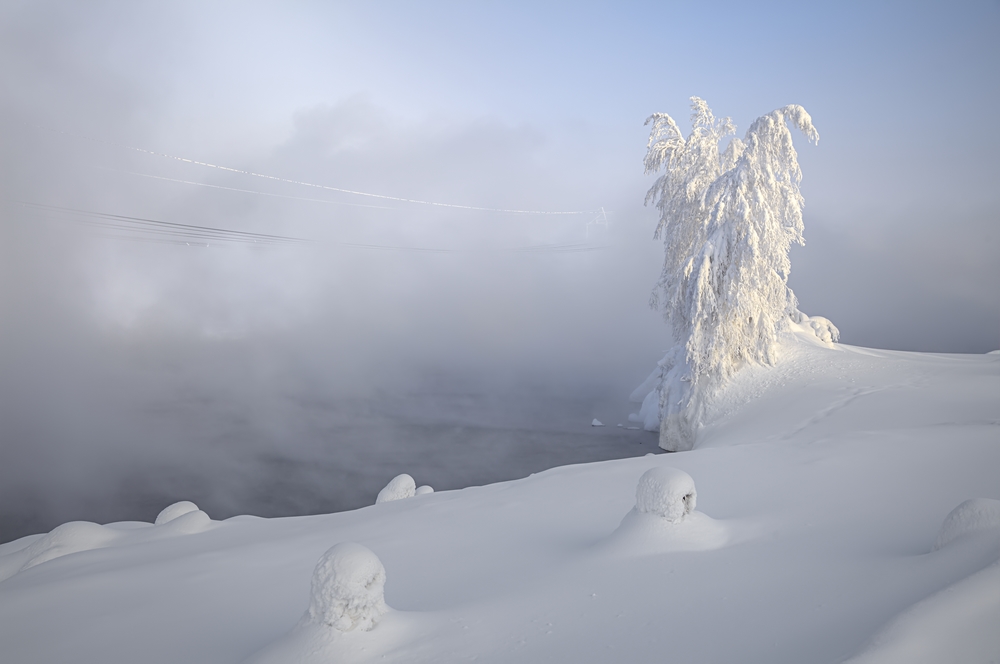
{"x": 822, "y": 327}
{"x": 826, "y": 530}
{"x": 398, "y": 488}
{"x": 348, "y": 589}
{"x": 665, "y": 492}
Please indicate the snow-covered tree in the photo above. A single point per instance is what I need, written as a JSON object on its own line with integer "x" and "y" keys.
{"x": 727, "y": 220}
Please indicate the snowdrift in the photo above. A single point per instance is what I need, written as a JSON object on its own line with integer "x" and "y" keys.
{"x": 819, "y": 531}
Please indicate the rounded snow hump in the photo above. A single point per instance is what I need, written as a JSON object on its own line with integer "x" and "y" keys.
{"x": 347, "y": 619}
{"x": 973, "y": 516}
{"x": 664, "y": 518}
{"x": 401, "y": 487}
{"x": 398, "y": 488}
{"x": 348, "y": 588}
{"x": 666, "y": 492}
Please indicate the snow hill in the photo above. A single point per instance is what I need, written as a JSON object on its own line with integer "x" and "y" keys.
{"x": 820, "y": 533}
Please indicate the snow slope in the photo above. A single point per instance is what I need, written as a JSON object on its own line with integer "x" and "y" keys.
{"x": 822, "y": 485}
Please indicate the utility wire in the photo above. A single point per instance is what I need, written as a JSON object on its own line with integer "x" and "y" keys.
{"x": 168, "y": 228}
{"x": 165, "y": 232}
{"x": 245, "y": 191}
{"x": 310, "y": 184}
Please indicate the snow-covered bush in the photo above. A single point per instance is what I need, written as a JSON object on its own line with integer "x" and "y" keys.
{"x": 182, "y": 518}
{"x": 666, "y": 492}
{"x": 664, "y": 519}
{"x": 423, "y": 490}
{"x": 727, "y": 221}
{"x": 974, "y": 515}
{"x": 822, "y": 327}
{"x": 348, "y": 589}
{"x": 68, "y": 538}
{"x": 399, "y": 487}
{"x": 171, "y": 512}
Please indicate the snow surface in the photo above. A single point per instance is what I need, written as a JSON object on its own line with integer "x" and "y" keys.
{"x": 958, "y": 624}
{"x": 823, "y": 484}
{"x": 668, "y": 374}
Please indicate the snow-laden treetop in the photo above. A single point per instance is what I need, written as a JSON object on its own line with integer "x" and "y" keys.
{"x": 727, "y": 221}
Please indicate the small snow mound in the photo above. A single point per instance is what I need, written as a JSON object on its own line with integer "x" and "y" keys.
{"x": 187, "y": 523}
{"x": 68, "y": 538}
{"x": 173, "y": 511}
{"x": 666, "y": 492}
{"x": 821, "y": 327}
{"x": 974, "y": 515}
{"x": 641, "y": 533}
{"x": 596, "y": 423}
{"x": 348, "y": 589}
{"x": 399, "y": 487}
{"x": 824, "y": 329}
{"x": 422, "y": 490}
{"x": 664, "y": 520}
{"x": 994, "y": 352}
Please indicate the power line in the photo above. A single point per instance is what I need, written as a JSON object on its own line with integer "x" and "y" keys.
{"x": 165, "y": 232}
{"x": 166, "y": 228}
{"x": 244, "y": 191}
{"x": 310, "y": 184}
